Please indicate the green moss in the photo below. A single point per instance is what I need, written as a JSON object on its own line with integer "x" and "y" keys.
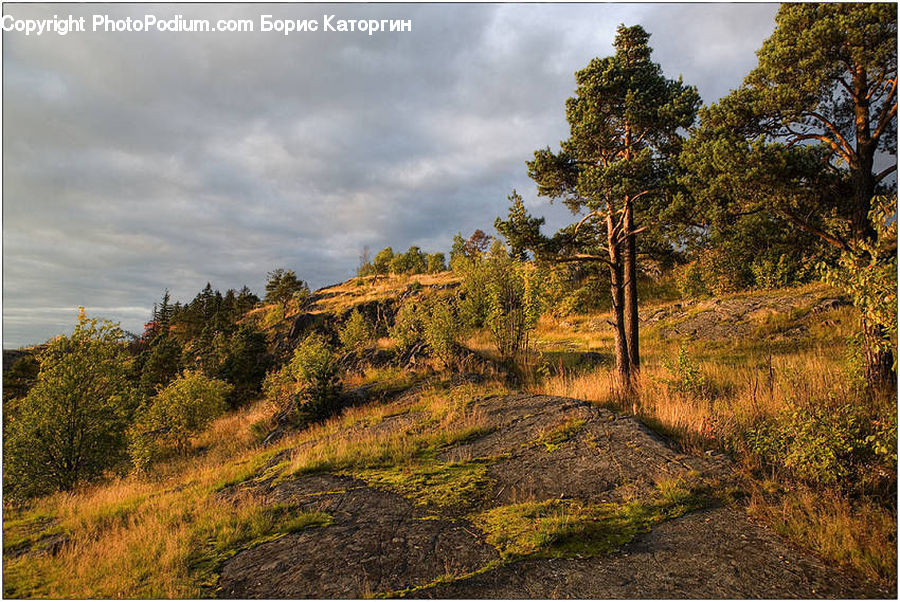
{"x": 445, "y": 578}
{"x": 218, "y": 543}
{"x": 556, "y": 528}
{"x": 25, "y": 532}
{"x": 244, "y": 470}
{"x": 555, "y": 438}
{"x": 439, "y": 486}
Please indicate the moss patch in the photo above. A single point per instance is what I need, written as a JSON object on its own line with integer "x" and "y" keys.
{"x": 24, "y": 533}
{"x": 557, "y": 528}
{"x": 554, "y": 438}
{"x": 439, "y": 486}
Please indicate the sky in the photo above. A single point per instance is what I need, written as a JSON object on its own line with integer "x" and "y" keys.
{"x": 135, "y": 162}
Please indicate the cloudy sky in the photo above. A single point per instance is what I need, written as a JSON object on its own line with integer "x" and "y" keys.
{"x": 136, "y": 162}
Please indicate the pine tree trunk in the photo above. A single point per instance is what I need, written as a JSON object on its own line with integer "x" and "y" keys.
{"x": 623, "y": 360}
{"x": 632, "y": 326}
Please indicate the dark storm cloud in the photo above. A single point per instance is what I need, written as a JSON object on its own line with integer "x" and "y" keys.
{"x": 139, "y": 162}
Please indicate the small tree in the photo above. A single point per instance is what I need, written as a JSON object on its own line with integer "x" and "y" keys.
{"x": 382, "y": 261}
{"x": 436, "y": 263}
{"x": 283, "y": 286}
{"x": 161, "y": 364}
{"x": 399, "y": 263}
{"x": 458, "y": 259}
{"x": 357, "y": 332}
{"x": 871, "y": 280}
{"x": 407, "y": 327}
{"x": 177, "y": 413}
{"x": 478, "y": 244}
{"x": 70, "y": 427}
{"x": 440, "y": 330}
{"x": 314, "y": 368}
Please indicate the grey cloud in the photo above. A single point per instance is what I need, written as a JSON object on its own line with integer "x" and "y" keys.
{"x": 139, "y": 162}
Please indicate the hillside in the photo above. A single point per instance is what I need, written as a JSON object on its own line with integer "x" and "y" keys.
{"x": 474, "y": 482}
{"x": 550, "y": 497}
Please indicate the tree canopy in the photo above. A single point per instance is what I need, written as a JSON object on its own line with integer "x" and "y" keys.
{"x": 616, "y": 172}
{"x": 70, "y": 427}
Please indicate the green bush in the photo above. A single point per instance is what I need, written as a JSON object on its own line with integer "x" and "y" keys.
{"x": 434, "y": 322}
{"x": 407, "y": 328}
{"x": 688, "y": 378}
{"x": 436, "y": 263}
{"x": 769, "y": 272}
{"x": 314, "y": 368}
{"x": 690, "y": 282}
{"x": 279, "y": 386}
{"x": 827, "y": 443}
{"x": 382, "y": 261}
{"x": 357, "y": 332}
{"x": 440, "y": 330}
{"x": 70, "y": 426}
{"x": 180, "y": 411}
{"x": 504, "y": 295}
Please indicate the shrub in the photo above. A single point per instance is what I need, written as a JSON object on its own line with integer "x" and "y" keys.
{"x": 357, "y": 332}
{"x": 505, "y": 296}
{"x": 70, "y": 427}
{"x": 436, "y": 263}
{"x": 279, "y": 386}
{"x": 688, "y": 378}
{"x": 689, "y": 280}
{"x": 769, "y": 272}
{"x": 407, "y": 328}
{"x": 827, "y": 443}
{"x": 434, "y": 322}
{"x": 180, "y": 411}
{"x": 382, "y": 261}
{"x": 365, "y": 269}
{"x": 724, "y": 271}
{"x": 440, "y": 329}
{"x": 314, "y": 367}
{"x": 869, "y": 277}
{"x": 273, "y": 316}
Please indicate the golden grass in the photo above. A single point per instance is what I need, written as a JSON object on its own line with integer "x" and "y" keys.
{"x": 857, "y": 533}
{"x": 339, "y": 298}
{"x": 163, "y": 535}
{"x": 741, "y": 383}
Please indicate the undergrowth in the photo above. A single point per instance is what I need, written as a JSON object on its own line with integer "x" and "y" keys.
{"x": 789, "y": 407}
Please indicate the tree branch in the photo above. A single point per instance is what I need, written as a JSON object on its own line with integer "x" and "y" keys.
{"x": 837, "y": 134}
{"x": 885, "y": 172}
{"x": 835, "y": 240}
{"x": 594, "y": 213}
{"x": 579, "y": 257}
{"x": 888, "y": 111}
{"x": 799, "y": 137}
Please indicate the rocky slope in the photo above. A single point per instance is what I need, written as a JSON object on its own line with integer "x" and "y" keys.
{"x": 564, "y": 499}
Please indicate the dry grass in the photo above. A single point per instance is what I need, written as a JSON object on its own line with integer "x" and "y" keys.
{"x": 163, "y": 535}
{"x": 733, "y": 386}
{"x": 339, "y": 298}
{"x": 859, "y": 534}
